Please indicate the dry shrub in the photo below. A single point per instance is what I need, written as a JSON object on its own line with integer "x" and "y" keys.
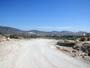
{"x": 66, "y": 44}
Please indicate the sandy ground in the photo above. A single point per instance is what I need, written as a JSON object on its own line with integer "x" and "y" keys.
{"x": 35, "y": 53}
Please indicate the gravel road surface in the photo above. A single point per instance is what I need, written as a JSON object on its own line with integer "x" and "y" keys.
{"x": 35, "y": 53}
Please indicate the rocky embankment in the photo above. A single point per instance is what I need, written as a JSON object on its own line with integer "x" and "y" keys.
{"x": 80, "y": 50}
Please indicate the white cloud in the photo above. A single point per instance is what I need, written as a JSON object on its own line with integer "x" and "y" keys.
{"x": 60, "y": 28}
{"x": 50, "y": 28}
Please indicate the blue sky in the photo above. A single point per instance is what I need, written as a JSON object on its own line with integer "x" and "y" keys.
{"x": 48, "y": 15}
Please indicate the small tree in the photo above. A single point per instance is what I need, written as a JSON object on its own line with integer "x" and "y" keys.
{"x": 82, "y": 39}
{"x": 14, "y": 36}
{"x": 88, "y": 39}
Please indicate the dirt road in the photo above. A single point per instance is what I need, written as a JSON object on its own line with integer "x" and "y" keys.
{"x": 35, "y": 53}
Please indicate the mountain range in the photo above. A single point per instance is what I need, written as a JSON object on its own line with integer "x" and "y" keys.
{"x": 15, "y": 31}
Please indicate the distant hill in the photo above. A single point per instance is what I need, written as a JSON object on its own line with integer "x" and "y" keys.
{"x": 14, "y": 31}
{"x": 9, "y": 30}
{"x": 59, "y": 33}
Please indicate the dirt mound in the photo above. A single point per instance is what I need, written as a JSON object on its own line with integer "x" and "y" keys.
{"x": 3, "y": 38}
